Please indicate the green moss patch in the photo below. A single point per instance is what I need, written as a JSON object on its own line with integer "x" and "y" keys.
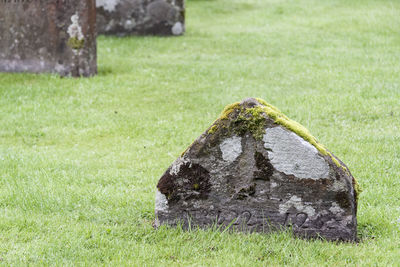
{"x": 75, "y": 43}
{"x": 212, "y": 129}
{"x": 228, "y": 110}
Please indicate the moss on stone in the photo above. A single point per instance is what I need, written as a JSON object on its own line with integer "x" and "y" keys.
{"x": 263, "y": 102}
{"x": 253, "y": 119}
{"x": 250, "y": 119}
{"x": 228, "y": 110}
{"x": 212, "y": 129}
{"x": 76, "y": 43}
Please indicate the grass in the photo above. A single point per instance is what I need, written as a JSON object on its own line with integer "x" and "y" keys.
{"x": 80, "y": 158}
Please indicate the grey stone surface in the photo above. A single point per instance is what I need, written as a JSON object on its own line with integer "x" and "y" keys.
{"x": 251, "y": 174}
{"x": 57, "y": 36}
{"x": 290, "y": 154}
{"x": 153, "y": 17}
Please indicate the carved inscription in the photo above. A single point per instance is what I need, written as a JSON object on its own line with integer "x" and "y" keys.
{"x": 296, "y": 220}
{"x": 245, "y": 218}
{"x": 219, "y": 217}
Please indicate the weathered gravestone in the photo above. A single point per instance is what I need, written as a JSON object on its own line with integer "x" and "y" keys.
{"x": 154, "y": 17}
{"x": 256, "y": 170}
{"x": 57, "y": 36}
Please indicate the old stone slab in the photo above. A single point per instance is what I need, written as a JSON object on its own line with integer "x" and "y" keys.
{"x": 254, "y": 169}
{"x": 153, "y": 17}
{"x": 57, "y": 36}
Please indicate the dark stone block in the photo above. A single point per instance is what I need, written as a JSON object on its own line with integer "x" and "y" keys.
{"x": 57, "y": 36}
{"x": 256, "y": 170}
{"x": 141, "y": 17}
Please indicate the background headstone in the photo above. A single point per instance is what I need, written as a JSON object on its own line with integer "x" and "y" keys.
{"x": 57, "y": 36}
{"x": 255, "y": 169}
{"x": 153, "y": 17}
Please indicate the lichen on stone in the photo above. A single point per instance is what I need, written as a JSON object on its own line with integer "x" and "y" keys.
{"x": 76, "y": 40}
{"x": 250, "y": 165}
{"x": 212, "y": 129}
{"x": 292, "y": 155}
{"x": 228, "y": 110}
{"x": 253, "y": 119}
{"x": 177, "y": 29}
{"x": 75, "y": 43}
{"x": 108, "y": 5}
{"x": 231, "y": 148}
{"x": 298, "y": 204}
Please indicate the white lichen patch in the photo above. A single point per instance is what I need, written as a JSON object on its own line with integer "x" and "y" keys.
{"x": 177, "y": 29}
{"x": 298, "y": 204}
{"x": 107, "y": 5}
{"x": 197, "y": 204}
{"x": 161, "y": 202}
{"x": 335, "y": 208}
{"x": 231, "y": 148}
{"x": 347, "y": 220}
{"x": 176, "y": 166}
{"x": 75, "y": 30}
{"x": 111, "y": 24}
{"x": 338, "y": 185}
{"x": 129, "y": 24}
{"x": 292, "y": 155}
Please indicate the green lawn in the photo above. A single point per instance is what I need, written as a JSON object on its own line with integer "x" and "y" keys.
{"x": 80, "y": 158}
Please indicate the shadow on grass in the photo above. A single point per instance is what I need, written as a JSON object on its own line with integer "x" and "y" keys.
{"x": 366, "y": 231}
{"x": 105, "y": 71}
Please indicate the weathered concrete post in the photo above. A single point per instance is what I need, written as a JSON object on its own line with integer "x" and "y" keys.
{"x": 57, "y": 36}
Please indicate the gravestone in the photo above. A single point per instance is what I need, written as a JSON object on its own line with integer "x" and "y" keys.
{"x": 57, "y": 36}
{"x": 153, "y": 17}
{"x": 254, "y": 169}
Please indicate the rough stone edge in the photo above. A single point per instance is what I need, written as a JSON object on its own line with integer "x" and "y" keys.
{"x": 262, "y": 107}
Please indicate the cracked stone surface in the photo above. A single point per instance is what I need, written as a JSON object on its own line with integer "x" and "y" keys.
{"x": 141, "y": 17}
{"x": 56, "y": 36}
{"x": 232, "y": 177}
